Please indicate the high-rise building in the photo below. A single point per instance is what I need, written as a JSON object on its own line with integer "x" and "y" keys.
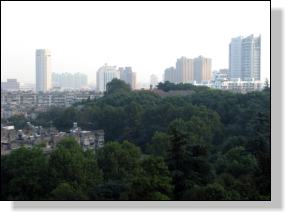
{"x": 104, "y": 75}
{"x": 128, "y": 76}
{"x": 202, "y": 69}
{"x": 55, "y": 79}
{"x": 245, "y": 57}
{"x": 43, "y": 70}
{"x": 184, "y": 70}
{"x": 170, "y": 75}
{"x": 153, "y": 80}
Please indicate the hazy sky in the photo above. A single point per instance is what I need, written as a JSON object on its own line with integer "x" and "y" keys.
{"x": 147, "y": 36}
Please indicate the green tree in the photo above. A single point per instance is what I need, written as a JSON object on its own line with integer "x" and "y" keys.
{"x": 68, "y": 163}
{"x": 210, "y": 192}
{"x": 267, "y": 86}
{"x": 118, "y": 86}
{"x": 65, "y": 192}
{"x": 111, "y": 190}
{"x": 153, "y": 183}
{"x": 25, "y": 175}
{"x": 236, "y": 162}
{"x": 187, "y": 161}
{"x": 119, "y": 161}
{"x": 259, "y": 134}
{"x": 262, "y": 175}
{"x": 160, "y": 145}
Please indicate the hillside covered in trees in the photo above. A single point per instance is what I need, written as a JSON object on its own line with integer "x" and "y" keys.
{"x": 210, "y": 145}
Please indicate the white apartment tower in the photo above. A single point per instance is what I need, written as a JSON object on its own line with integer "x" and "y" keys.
{"x": 43, "y": 70}
{"x": 104, "y": 75}
{"x": 245, "y": 58}
{"x": 153, "y": 80}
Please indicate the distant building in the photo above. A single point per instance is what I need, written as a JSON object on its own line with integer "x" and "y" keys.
{"x": 245, "y": 58}
{"x": 105, "y": 75}
{"x": 128, "y": 76}
{"x": 11, "y": 84}
{"x": 43, "y": 70}
{"x": 189, "y": 69}
{"x": 184, "y": 70}
{"x": 202, "y": 69}
{"x": 69, "y": 80}
{"x": 153, "y": 80}
{"x": 170, "y": 75}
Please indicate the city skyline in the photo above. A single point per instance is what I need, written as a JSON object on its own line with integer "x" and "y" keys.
{"x": 148, "y": 48}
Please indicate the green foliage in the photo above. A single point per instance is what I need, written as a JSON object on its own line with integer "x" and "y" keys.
{"x": 24, "y": 175}
{"x": 18, "y": 121}
{"x": 118, "y": 86}
{"x": 166, "y": 86}
{"x": 119, "y": 161}
{"x": 68, "y": 163}
{"x": 259, "y": 134}
{"x": 236, "y": 162}
{"x": 160, "y": 145}
{"x": 65, "y": 192}
{"x": 3, "y": 121}
{"x": 187, "y": 161}
{"x": 262, "y": 175}
{"x": 153, "y": 183}
{"x": 232, "y": 142}
{"x": 41, "y": 145}
{"x": 210, "y": 192}
{"x": 111, "y": 190}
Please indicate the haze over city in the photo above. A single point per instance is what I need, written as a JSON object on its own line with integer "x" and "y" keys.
{"x": 147, "y": 36}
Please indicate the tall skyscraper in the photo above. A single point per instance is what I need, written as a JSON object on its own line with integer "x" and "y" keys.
{"x": 104, "y": 75}
{"x": 245, "y": 57}
{"x": 153, "y": 80}
{"x": 202, "y": 69}
{"x": 43, "y": 70}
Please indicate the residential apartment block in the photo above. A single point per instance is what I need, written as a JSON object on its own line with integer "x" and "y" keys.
{"x": 245, "y": 58}
{"x": 189, "y": 69}
{"x": 11, "y": 84}
{"x": 69, "y": 80}
{"x": 106, "y": 74}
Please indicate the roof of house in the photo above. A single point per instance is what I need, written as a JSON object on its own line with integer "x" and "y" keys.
{"x": 155, "y": 91}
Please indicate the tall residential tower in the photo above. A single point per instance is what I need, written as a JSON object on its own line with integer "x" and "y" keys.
{"x": 245, "y": 58}
{"x": 43, "y": 70}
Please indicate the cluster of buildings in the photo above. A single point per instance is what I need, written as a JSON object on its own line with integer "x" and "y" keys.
{"x": 243, "y": 74}
{"x": 69, "y": 80}
{"x": 30, "y": 136}
{"x": 107, "y": 73}
{"x": 197, "y": 69}
{"x": 22, "y": 103}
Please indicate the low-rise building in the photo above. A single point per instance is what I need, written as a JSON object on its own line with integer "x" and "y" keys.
{"x": 31, "y": 136}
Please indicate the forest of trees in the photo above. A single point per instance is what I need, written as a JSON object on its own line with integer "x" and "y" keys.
{"x": 210, "y": 145}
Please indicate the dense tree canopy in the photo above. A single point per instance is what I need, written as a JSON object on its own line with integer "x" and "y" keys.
{"x": 215, "y": 144}
{"x": 118, "y": 86}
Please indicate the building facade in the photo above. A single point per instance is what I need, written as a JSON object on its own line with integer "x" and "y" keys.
{"x": 128, "y": 76}
{"x": 11, "y": 84}
{"x": 153, "y": 81}
{"x": 43, "y": 70}
{"x": 245, "y": 57}
{"x": 105, "y": 75}
{"x": 69, "y": 80}
{"x": 202, "y": 69}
